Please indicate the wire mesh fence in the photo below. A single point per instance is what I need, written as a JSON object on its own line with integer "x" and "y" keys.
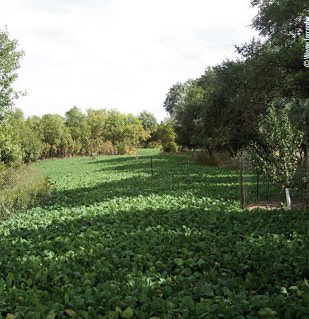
{"x": 257, "y": 187}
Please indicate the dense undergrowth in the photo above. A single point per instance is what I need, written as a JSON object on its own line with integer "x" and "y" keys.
{"x": 120, "y": 241}
{"x": 20, "y": 191}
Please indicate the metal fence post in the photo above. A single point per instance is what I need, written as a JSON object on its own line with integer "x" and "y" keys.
{"x": 151, "y": 165}
{"x": 242, "y": 199}
{"x": 257, "y": 185}
{"x": 307, "y": 179}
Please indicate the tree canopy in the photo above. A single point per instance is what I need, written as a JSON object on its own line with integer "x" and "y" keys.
{"x": 9, "y": 63}
{"x": 221, "y": 108}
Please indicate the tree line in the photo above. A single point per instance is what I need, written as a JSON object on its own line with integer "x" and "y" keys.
{"x": 94, "y": 132}
{"x": 221, "y": 109}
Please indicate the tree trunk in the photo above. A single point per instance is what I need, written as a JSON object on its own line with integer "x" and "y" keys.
{"x": 209, "y": 150}
{"x": 288, "y": 197}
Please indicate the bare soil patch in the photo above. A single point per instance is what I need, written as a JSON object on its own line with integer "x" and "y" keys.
{"x": 275, "y": 204}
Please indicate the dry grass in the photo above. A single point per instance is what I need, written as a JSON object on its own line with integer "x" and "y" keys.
{"x": 19, "y": 190}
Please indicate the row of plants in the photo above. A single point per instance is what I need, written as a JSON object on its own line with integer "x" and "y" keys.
{"x": 117, "y": 241}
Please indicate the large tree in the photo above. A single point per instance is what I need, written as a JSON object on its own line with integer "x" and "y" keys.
{"x": 9, "y": 63}
{"x": 280, "y": 20}
{"x": 280, "y": 54}
{"x": 79, "y": 128}
{"x": 25, "y": 137}
{"x": 221, "y": 108}
{"x": 150, "y": 125}
{"x": 148, "y": 121}
{"x": 55, "y": 135}
{"x": 125, "y": 131}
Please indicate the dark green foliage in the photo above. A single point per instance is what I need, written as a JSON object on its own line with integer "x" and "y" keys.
{"x": 280, "y": 20}
{"x": 299, "y": 115}
{"x": 116, "y": 242}
{"x": 220, "y": 110}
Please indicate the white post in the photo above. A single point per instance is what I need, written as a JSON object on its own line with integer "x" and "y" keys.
{"x": 288, "y": 198}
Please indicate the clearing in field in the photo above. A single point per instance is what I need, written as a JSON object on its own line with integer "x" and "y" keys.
{"x": 119, "y": 240}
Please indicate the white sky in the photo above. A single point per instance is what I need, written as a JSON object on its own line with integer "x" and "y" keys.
{"x": 122, "y": 54}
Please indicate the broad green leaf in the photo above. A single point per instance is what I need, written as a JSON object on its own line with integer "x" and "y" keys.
{"x": 70, "y": 312}
{"x": 128, "y": 313}
{"x": 178, "y": 261}
{"x": 51, "y": 315}
{"x": 267, "y": 312}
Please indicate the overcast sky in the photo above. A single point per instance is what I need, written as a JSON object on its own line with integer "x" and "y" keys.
{"x": 122, "y": 54}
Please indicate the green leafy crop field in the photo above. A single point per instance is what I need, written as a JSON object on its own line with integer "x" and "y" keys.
{"x": 118, "y": 240}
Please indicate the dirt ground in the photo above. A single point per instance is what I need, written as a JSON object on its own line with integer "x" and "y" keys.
{"x": 271, "y": 205}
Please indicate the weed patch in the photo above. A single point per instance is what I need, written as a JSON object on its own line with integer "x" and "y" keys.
{"x": 19, "y": 191}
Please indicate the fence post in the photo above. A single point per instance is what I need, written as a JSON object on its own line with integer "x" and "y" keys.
{"x": 257, "y": 185}
{"x": 307, "y": 179}
{"x": 241, "y": 184}
{"x": 151, "y": 165}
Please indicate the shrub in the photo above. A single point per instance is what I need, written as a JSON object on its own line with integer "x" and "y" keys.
{"x": 165, "y": 134}
{"x": 154, "y": 144}
{"x": 20, "y": 191}
{"x": 107, "y": 148}
{"x": 222, "y": 159}
{"x": 170, "y": 147}
{"x": 10, "y": 152}
{"x": 31, "y": 145}
{"x": 125, "y": 149}
{"x": 277, "y": 155}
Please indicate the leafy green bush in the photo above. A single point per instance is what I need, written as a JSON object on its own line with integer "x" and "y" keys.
{"x": 125, "y": 149}
{"x": 165, "y": 135}
{"x": 220, "y": 159}
{"x": 32, "y": 147}
{"x": 19, "y": 191}
{"x": 28, "y": 140}
{"x": 154, "y": 144}
{"x": 170, "y": 147}
{"x": 277, "y": 155}
{"x": 10, "y": 152}
{"x": 107, "y": 148}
